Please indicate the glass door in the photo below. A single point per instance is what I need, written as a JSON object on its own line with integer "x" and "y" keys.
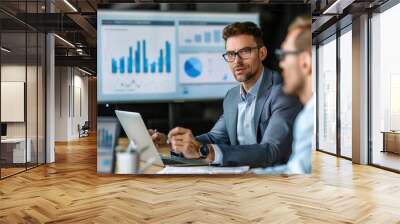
{"x": 327, "y": 96}
{"x": 385, "y": 89}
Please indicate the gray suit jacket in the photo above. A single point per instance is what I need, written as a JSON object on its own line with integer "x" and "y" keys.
{"x": 273, "y": 116}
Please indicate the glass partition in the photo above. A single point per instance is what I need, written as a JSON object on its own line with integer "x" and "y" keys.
{"x": 22, "y": 67}
{"x": 14, "y": 149}
{"x": 385, "y": 89}
{"x": 327, "y": 96}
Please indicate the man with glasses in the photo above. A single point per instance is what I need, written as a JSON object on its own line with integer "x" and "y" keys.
{"x": 256, "y": 126}
{"x": 296, "y": 63}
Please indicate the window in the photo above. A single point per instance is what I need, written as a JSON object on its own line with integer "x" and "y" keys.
{"x": 346, "y": 74}
{"x": 314, "y": 89}
{"x": 385, "y": 89}
{"x": 327, "y": 96}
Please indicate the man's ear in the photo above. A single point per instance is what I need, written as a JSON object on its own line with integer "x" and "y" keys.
{"x": 263, "y": 52}
{"x": 306, "y": 62}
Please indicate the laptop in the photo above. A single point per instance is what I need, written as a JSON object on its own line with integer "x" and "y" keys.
{"x": 136, "y": 130}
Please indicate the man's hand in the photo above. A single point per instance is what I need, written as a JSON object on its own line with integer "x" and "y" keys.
{"x": 183, "y": 141}
{"x": 159, "y": 139}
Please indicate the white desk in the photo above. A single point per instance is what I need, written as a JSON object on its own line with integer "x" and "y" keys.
{"x": 18, "y": 149}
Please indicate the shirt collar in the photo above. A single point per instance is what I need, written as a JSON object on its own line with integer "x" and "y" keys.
{"x": 310, "y": 103}
{"x": 253, "y": 90}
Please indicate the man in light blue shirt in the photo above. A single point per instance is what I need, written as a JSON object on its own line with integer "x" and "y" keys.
{"x": 296, "y": 63}
{"x": 300, "y": 160}
{"x": 245, "y": 127}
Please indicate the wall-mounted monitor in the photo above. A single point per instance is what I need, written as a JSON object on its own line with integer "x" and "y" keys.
{"x": 163, "y": 56}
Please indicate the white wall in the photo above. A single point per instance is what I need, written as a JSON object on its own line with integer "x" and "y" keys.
{"x": 33, "y": 127}
{"x": 80, "y": 110}
{"x": 61, "y": 103}
{"x": 11, "y": 73}
{"x": 71, "y": 93}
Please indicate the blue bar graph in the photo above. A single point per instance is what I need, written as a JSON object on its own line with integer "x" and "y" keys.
{"x": 105, "y": 139}
{"x": 137, "y": 60}
{"x": 153, "y": 67}
{"x": 160, "y": 62}
{"x": 145, "y": 65}
{"x": 122, "y": 65}
{"x": 217, "y": 36}
{"x": 213, "y": 36}
{"x": 168, "y": 56}
{"x": 197, "y": 38}
{"x": 114, "y": 66}
{"x": 130, "y": 61}
{"x": 207, "y": 37}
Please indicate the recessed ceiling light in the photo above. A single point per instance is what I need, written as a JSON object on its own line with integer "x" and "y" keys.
{"x": 65, "y": 41}
{"x": 84, "y": 71}
{"x": 5, "y": 50}
{"x": 70, "y": 5}
{"x": 338, "y": 6}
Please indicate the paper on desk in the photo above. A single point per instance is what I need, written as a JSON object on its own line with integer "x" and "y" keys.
{"x": 203, "y": 170}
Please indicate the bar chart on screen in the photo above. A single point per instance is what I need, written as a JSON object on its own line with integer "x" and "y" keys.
{"x": 142, "y": 63}
{"x": 138, "y": 62}
{"x": 201, "y": 34}
{"x": 174, "y": 56}
{"x": 105, "y": 138}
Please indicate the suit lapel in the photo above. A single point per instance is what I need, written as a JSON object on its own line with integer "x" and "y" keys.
{"x": 263, "y": 93}
{"x": 231, "y": 106}
{"x": 231, "y": 116}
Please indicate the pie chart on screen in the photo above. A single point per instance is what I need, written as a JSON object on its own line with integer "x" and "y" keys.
{"x": 193, "y": 67}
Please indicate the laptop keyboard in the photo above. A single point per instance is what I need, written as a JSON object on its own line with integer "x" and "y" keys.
{"x": 168, "y": 161}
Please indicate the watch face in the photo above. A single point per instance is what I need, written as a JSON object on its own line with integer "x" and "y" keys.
{"x": 204, "y": 150}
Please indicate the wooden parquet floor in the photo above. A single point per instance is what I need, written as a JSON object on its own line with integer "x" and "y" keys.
{"x": 70, "y": 191}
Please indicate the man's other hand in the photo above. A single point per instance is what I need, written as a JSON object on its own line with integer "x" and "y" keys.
{"x": 159, "y": 139}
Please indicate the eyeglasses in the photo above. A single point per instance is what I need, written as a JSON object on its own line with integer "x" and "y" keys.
{"x": 243, "y": 53}
{"x": 281, "y": 54}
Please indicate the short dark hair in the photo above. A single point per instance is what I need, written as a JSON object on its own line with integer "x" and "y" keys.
{"x": 303, "y": 39}
{"x": 248, "y": 28}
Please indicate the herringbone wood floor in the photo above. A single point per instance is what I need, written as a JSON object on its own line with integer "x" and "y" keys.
{"x": 70, "y": 191}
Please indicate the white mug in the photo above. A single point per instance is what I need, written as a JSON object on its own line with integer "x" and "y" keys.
{"x": 127, "y": 163}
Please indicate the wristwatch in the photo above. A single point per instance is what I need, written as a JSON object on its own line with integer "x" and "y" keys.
{"x": 204, "y": 151}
